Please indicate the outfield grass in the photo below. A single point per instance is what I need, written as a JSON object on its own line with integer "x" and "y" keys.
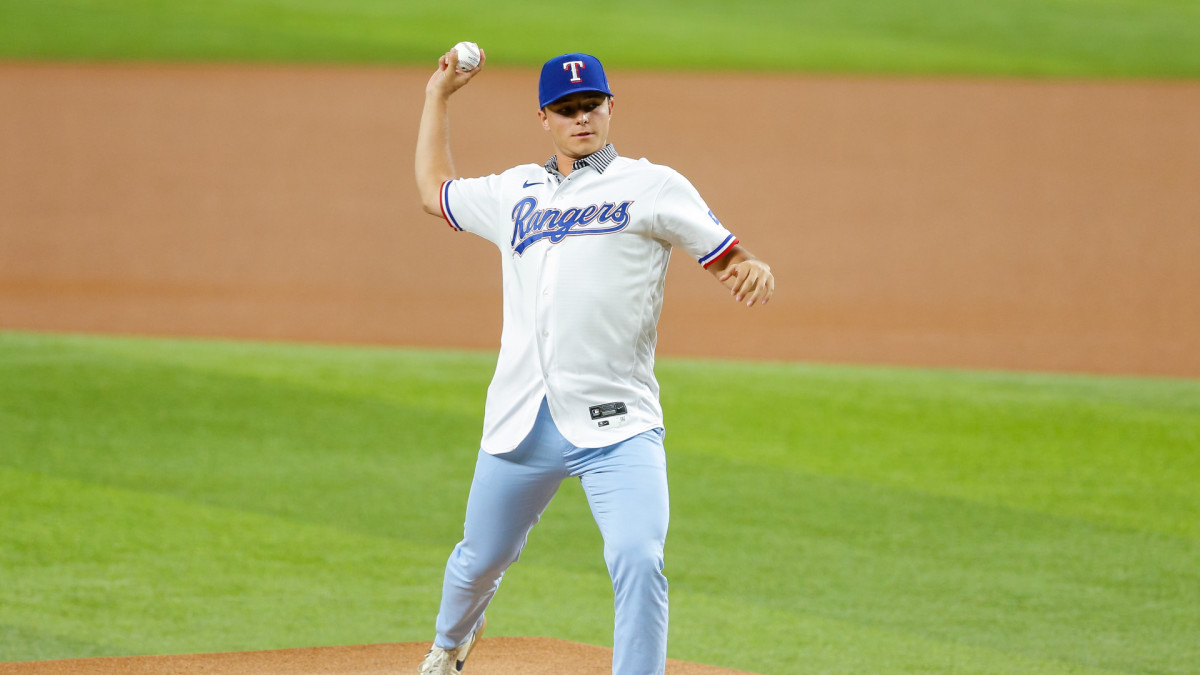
{"x": 1092, "y": 38}
{"x": 166, "y": 496}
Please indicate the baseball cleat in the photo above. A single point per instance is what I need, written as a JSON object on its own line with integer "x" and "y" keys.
{"x": 450, "y": 661}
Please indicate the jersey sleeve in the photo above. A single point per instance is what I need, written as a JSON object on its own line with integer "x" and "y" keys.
{"x": 475, "y": 205}
{"x": 682, "y": 219}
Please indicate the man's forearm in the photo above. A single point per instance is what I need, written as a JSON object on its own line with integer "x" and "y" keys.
{"x": 434, "y": 164}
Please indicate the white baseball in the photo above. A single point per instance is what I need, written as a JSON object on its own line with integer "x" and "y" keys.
{"x": 468, "y": 55}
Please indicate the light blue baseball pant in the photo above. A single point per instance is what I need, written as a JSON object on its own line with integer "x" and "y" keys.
{"x": 626, "y": 487}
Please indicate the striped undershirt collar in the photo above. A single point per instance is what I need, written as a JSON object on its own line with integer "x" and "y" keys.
{"x": 599, "y": 160}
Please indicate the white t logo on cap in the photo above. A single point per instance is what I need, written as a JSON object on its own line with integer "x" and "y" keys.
{"x": 574, "y": 67}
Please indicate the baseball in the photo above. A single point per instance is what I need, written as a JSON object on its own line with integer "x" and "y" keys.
{"x": 468, "y": 55}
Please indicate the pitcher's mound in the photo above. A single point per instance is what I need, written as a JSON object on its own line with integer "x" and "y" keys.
{"x": 493, "y": 656}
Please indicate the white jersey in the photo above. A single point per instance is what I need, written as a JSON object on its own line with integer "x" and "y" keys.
{"x": 584, "y": 268}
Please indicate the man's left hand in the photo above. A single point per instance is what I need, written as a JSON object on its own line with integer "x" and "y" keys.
{"x": 749, "y": 281}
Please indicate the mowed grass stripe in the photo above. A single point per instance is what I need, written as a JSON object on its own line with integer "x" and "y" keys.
{"x": 827, "y": 645}
{"x": 276, "y": 429}
{"x": 92, "y": 570}
{"x": 1115, "y": 450}
{"x": 939, "y": 569}
{"x": 379, "y": 443}
{"x": 1107, "y": 38}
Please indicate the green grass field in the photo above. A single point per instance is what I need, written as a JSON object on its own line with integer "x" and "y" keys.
{"x": 1076, "y": 38}
{"x": 163, "y": 496}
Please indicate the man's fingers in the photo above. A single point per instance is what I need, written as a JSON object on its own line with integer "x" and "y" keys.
{"x": 765, "y": 290}
{"x": 748, "y": 294}
{"x": 760, "y": 293}
{"x": 453, "y": 54}
{"x": 753, "y": 284}
{"x": 746, "y": 282}
{"x": 736, "y": 289}
{"x": 448, "y": 78}
{"x": 759, "y": 287}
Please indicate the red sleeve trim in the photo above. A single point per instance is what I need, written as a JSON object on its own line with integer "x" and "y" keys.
{"x": 443, "y": 195}
{"x": 722, "y": 251}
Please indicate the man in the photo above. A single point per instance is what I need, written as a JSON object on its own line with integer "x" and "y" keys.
{"x": 584, "y": 242}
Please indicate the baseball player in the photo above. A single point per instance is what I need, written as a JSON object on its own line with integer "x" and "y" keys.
{"x": 584, "y": 241}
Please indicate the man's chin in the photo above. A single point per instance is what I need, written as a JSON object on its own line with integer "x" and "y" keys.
{"x": 583, "y": 149}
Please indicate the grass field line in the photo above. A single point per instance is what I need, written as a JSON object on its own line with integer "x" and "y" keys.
{"x": 427, "y": 381}
{"x": 109, "y": 493}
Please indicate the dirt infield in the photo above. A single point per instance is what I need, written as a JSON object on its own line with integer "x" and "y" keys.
{"x": 495, "y": 656}
{"x": 997, "y": 224}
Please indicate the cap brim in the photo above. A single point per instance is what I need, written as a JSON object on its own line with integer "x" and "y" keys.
{"x": 572, "y": 93}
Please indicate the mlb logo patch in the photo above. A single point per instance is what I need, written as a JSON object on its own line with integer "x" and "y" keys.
{"x": 713, "y": 216}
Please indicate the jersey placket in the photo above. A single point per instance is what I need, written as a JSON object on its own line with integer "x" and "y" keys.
{"x": 546, "y": 330}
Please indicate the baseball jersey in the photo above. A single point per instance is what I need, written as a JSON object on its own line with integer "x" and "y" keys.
{"x": 584, "y": 269}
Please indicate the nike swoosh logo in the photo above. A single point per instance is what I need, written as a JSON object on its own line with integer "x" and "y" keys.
{"x": 529, "y": 184}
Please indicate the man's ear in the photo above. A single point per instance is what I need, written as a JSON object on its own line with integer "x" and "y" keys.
{"x": 542, "y": 117}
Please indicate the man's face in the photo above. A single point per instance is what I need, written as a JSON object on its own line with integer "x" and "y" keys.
{"x": 578, "y": 123}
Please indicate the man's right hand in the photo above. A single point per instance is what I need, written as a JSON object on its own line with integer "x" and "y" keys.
{"x": 448, "y": 79}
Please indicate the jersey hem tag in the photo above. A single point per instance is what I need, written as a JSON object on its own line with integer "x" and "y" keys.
{"x": 603, "y": 415}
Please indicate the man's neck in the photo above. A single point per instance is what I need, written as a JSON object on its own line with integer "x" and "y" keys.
{"x": 563, "y": 165}
{"x": 566, "y": 164}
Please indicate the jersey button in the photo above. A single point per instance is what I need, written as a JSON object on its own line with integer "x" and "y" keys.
{"x": 545, "y": 333}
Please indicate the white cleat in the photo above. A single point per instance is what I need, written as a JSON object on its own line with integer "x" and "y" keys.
{"x": 450, "y": 661}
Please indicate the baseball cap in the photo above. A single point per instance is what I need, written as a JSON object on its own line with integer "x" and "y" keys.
{"x": 569, "y": 73}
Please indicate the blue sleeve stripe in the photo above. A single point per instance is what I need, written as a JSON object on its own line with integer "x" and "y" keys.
{"x": 446, "y": 206}
{"x": 719, "y": 250}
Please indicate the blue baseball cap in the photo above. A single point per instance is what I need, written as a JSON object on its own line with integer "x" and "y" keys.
{"x": 570, "y": 73}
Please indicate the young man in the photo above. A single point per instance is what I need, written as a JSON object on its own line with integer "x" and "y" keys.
{"x": 584, "y": 242}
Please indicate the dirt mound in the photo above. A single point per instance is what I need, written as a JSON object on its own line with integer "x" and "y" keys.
{"x": 494, "y": 656}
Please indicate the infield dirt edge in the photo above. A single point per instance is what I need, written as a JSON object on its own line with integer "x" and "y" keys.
{"x": 495, "y": 656}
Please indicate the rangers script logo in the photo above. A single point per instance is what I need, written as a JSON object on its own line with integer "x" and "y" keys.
{"x": 531, "y": 225}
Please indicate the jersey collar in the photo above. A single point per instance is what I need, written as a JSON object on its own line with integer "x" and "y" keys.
{"x": 599, "y": 160}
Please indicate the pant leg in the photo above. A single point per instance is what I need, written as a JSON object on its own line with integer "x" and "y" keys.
{"x": 509, "y": 492}
{"x": 626, "y": 487}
